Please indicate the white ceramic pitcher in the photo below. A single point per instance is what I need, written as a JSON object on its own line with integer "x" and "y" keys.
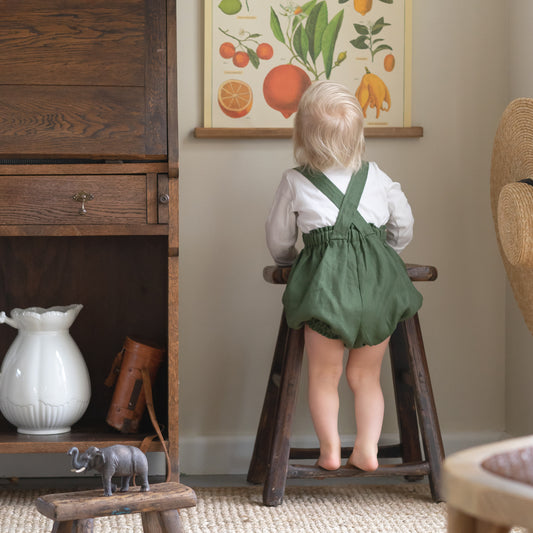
{"x": 44, "y": 381}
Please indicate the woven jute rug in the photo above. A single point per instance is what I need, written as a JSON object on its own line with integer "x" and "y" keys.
{"x": 353, "y": 508}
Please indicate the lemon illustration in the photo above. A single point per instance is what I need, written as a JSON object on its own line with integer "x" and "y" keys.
{"x": 230, "y": 7}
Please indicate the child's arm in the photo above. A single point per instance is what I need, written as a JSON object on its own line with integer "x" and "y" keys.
{"x": 281, "y": 228}
{"x": 400, "y": 224}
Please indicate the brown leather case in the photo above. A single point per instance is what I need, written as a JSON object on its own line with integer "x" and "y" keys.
{"x": 129, "y": 401}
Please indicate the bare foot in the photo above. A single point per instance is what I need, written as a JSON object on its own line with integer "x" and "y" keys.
{"x": 367, "y": 461}
{"x": 329, "y": 460}
{"x": 328, "y": 463}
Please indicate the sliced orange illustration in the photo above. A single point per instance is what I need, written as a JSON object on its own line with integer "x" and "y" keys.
{"x": 235, "y": 98}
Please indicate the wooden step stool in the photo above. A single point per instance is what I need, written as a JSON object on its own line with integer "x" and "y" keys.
{"x": 415, "y": 408}
{"x": 74, "y": 512}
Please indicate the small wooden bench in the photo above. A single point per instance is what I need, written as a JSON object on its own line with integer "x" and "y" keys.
{"x": 74, "y": 512}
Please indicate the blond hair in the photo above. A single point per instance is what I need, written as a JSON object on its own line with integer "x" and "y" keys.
{"x": 328, "y": 128}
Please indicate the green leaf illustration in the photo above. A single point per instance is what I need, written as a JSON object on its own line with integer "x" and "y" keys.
{"x": 384, "y": 1}
{"x": 380, "y": 48}
{"x": 344, "y": 1}
{"x": 379, "y": 25}
{"x": 275, "y": 26}
{"x": 361, "y": 42}
{"x": 363, "y": 30}
{"x": 316, "y": 24}
{"x": 329, "y": 38}
{"x": 307, "y": 7}
{"x": 301, "y": 43}
{"x": 254, "y": 59}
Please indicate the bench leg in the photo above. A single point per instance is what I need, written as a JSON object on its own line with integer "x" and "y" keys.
{"x": 74, "y": 526}
{"x": 162, "y": 522}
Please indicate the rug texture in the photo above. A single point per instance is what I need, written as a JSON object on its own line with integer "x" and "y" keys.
{"x": 353, "y": 508}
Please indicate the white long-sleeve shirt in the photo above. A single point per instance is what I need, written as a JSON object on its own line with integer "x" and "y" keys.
{"x": 299, "y": 205}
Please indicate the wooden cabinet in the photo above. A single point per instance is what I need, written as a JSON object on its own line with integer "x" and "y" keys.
{"x": 89, "y": 191}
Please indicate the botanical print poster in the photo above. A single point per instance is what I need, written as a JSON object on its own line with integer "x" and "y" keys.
{"x": 261, "y": 55}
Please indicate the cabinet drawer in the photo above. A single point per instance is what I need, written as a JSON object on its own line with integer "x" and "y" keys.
{"x": 111, "y": 199}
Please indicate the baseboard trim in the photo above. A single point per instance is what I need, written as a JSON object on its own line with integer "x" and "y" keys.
{"x": 231, "y": 455}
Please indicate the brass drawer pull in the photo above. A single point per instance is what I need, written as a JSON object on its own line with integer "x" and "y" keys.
{"x": 83, "y": 197}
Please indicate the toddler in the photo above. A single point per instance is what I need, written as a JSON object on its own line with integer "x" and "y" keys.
{"x": 348, "y": 286}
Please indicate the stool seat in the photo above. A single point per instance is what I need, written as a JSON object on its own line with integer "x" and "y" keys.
{"x": 489, "y": 488}
{"x": 415, "y": 408}
{"x": 158, "y": 507}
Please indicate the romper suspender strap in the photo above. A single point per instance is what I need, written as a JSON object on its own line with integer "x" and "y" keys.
{"x": 346, "y": 203}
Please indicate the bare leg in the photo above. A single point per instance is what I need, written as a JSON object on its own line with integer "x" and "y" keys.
{"x": 363, "y": 372}
{"x": 325, "y": 370}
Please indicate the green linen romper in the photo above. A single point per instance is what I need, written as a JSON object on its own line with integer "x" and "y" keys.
{"x": 347, "y": 282}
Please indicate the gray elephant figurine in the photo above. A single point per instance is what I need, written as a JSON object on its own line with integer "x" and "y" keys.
{"x": 116, "y": 460}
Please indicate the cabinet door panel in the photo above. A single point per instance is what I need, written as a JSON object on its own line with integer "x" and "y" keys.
{"x": 50, "y": 199}
{"x": 72, "y": 43}
{"x": 83, "y": 79}
{"x": 70, "y": 121}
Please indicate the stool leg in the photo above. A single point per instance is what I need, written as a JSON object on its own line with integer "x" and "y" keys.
{"x": 278, "y": 462}
{"x": 257, "y": 470}
{"x": 162, "y": 522}
{"x": 429, "y": 422}
{"x": 404, "y": 396}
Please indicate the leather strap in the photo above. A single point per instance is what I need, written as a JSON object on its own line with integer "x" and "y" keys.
{"x": 147, "y": 385}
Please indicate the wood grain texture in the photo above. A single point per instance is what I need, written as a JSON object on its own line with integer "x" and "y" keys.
{"x": 286, "y": 133}
{"x": 173, "y": 367}
{"x": 64, "y": 169}
{"x": 172, "y": 92}
{"x": 80, "y": 80}
{"x": 155, "y": 134}
{"x": 80, "y": 230}
{"x": 279, "y": 275}
{"x": 81, "y": 437}
{"x": 72, "y": 121}
{"x": 49, "y": 200}
{"x": 92, "y": 503}
{"x": 72, "y": 43}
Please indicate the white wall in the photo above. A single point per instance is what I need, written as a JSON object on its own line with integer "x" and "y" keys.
{"x": 519, "y": 398}
{"x": 229, "y": 316}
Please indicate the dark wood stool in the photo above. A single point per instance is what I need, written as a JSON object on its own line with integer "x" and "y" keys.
{"x": 74, "y": 512}
{"x": 415, "y": 408}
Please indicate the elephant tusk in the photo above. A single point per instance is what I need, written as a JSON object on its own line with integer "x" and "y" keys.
{"x": 78, "y": 470}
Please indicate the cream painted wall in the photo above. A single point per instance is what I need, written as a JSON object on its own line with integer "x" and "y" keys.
{"x": 229, "y": 316}
{"x": 519, "y": 344}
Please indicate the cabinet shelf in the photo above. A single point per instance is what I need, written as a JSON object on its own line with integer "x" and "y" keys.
{"x": 79, "y": 230}
{"x": 13, "y": 442}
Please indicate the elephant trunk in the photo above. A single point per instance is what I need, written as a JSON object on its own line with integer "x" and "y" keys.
{"x": 78, "y": 467}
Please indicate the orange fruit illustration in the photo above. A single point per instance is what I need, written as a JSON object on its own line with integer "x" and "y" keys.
{"x": 227, "y": 50}
{"x": 389, "y": 62}
{"x": 235, "y": 98}
{"x": 241, "y": 59}
{"x": 283, "y": 87}
{"x": 264, "y": 51}
{"x": 362, "y": 6}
